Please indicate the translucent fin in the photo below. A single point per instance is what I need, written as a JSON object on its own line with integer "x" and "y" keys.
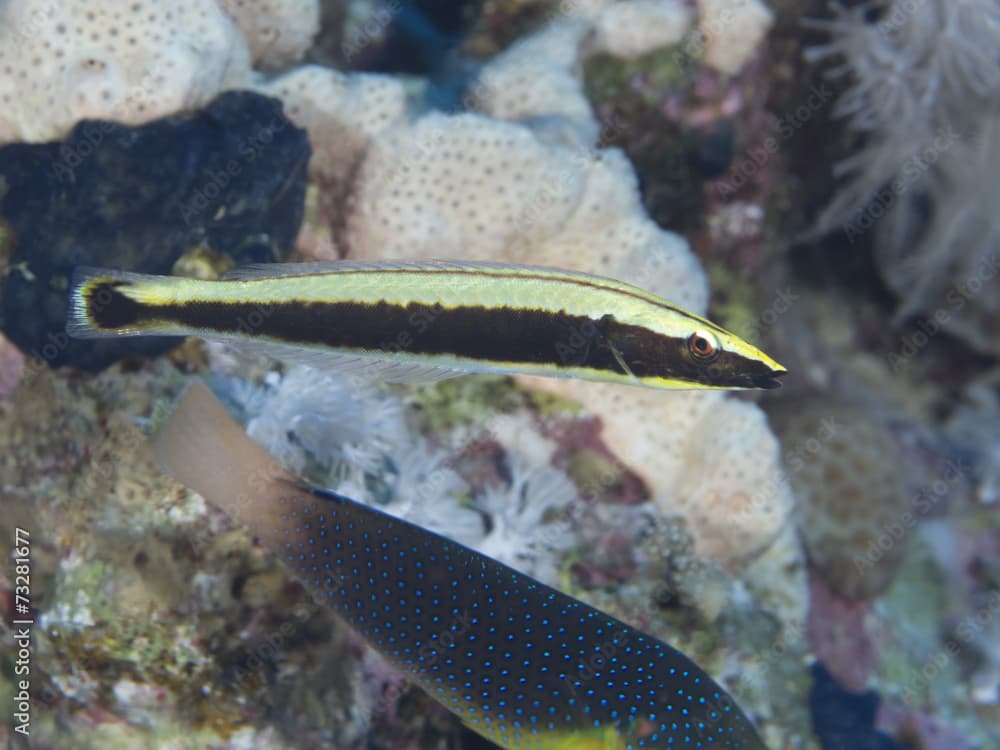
{"x": 365, "y": 366}
{"x": 88, "y": 289}
{"x": 272, "y": 270}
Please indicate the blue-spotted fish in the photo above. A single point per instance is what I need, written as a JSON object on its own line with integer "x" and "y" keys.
{"x": 431, "y": 319}
{"x": 519, "y": 662}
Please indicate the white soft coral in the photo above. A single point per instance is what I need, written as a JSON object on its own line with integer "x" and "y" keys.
{"x": 924, "y": 86}
{"x": 528, "y": 524}
{"x": 327, "y": 418}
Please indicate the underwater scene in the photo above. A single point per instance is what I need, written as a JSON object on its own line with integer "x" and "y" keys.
{"x": 523, "y": 374}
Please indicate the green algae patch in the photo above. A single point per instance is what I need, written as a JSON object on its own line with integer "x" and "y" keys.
{"x": 547, "y": 404}
{"x": 452, "y": 403}
{"x": 926, "y": 668}
{"x": 606, "y": 77}
{"x": 594, "y": 473}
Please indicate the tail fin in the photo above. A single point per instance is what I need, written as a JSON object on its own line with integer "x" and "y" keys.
{"x": 105, "y": 303}
{"x": 202, "y": 447}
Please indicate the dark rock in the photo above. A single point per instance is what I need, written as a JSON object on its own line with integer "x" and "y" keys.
{"x": 231, "y": 177}
{"x": 843, "y": 720}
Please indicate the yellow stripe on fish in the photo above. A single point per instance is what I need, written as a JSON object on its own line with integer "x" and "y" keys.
{"x": 519, "y": 662}
{"x": 433, "y": 316}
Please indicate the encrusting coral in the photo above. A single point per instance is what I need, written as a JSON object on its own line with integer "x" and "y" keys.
{"x": 133, "y": 61}
{"x": 126, "y": 60}
{"x": 853, "y": 509}
{"x": 536, "y": 80}
{"x": 278, "y": 31}
{"x": 343, "y": 113}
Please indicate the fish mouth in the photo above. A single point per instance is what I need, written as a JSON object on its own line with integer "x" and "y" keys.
{"x": 767, "y": 380}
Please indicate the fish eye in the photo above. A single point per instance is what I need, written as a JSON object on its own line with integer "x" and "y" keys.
{"x": 703, "y": 346}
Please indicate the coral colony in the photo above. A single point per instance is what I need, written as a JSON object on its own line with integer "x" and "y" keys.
{"x": 847, "y": 522}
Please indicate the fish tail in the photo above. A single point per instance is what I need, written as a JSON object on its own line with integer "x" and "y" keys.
{"x": 104, "y": 303}
{"x": 204, "y": 448}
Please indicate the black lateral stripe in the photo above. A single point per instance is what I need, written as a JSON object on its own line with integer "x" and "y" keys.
{"x": 488, "y": 335}
{"x": 472, "y": 332}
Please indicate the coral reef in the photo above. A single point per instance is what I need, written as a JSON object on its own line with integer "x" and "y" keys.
{"x": 342, "y": 113}
{"x": 155, "y": 620}
{"x": 536, "y": 81}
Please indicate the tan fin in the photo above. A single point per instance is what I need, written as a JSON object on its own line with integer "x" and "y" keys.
{"x": 204, "y": 448}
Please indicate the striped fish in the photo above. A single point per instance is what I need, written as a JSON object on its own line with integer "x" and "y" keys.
{"x": 431, "y": 319}
{"x": 521, "y": 663}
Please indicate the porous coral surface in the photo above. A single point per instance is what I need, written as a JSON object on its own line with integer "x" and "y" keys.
{"x": 852, "y": 501}
{"x": 124, "y": 60}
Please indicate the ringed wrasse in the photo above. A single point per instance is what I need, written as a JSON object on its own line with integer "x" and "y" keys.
{"x": 430, "y": 319}
{"x": 521, "y": 663}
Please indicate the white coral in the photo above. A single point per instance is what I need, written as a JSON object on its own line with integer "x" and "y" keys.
{"x": 428, "y": 492}
{"x": 466, "y": 186}
{"x": 707, "y": 458}
{"x": 327, "y": 418}
{"x": 529, "y": 528}
{"x": 278, "y": 31}
{"x": 124, "y": 60}
{"x": 342, "y": 113}
{"x": 924, "y": 82}
{"x": 732, "y": 31}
